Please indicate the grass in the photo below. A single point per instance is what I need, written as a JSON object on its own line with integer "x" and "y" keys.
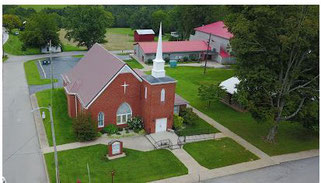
{"x": 68, "y": 45}
{"x": 5, "y": 58}
{"x": 40, "y": 7}
{"x": 292, "y": 137}
{"x": 125, "y": 31}
{"x": 218, "y": 153}
{"x": 117, "y": 39}
{"x": 137, "y": 166}
{"x": 78, "y": 56}
{"x": 62, "y": 122}
{"x": 200, "y": 127}
{"x": 134, "y": 64}
{"x": 13, "y": 46}
{"x": 32, "y": 74}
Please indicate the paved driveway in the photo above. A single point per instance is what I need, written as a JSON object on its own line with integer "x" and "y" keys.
{"x": 301, "y": 171}
{"x": 60, "y": 65}
{"x": 22, "y": 157}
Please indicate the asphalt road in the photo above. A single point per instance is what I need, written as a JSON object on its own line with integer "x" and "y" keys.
{"x": 301, "y": 171}
{"x": 22, "y": 157}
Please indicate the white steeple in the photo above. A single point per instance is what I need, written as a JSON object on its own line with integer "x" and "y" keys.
{"x": 158, "y": 70}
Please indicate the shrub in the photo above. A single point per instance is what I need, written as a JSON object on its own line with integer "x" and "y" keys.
{"x": 120, "y": 129}
{"x": 84, "y": 127}
{"x": 149, "y": 61}
{"x": 178, "y": 122}
{"x": 185, "y": 59}
{"x": 167, "y": 59}
{"x": 189, "y": 116}
{"x": 193, "y": 58}
{"x": 136, "y": 124}
{"x": 23, "y": 47}
{"x": 99, "y": 134}
{"x": 111, "y": 129}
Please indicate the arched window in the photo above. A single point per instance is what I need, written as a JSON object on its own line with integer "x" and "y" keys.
{"x": 101, "y": 119}
{"x": 163, "y": 95}
{"x": 124, "y": 113}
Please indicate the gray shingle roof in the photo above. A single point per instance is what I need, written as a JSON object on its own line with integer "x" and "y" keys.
{"x": 92, "y": 73}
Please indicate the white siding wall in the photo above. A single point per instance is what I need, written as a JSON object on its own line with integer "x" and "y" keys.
{"x": 218, "y": 41}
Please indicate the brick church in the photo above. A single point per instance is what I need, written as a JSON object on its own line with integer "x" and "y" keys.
{"x": 113, "y": 92}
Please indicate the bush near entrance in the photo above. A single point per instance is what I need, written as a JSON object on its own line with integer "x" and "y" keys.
{"x": 136, "y": 167}
{"x": 85, "y": 128}
{"x": 218, "y": 153}
{"x": 136, "y": 124}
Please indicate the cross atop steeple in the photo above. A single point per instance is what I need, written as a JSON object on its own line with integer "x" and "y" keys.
{"x": 158, "y": 63}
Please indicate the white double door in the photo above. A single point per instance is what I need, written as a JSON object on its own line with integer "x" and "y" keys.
{"x": 161, "y": 125}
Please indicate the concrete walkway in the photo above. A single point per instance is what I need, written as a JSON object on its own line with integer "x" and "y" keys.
{"x": 191, "y": 164}
{"x": 139, "y": 143}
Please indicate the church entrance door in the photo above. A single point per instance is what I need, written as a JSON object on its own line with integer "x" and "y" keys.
{"x": 161, "y": 125}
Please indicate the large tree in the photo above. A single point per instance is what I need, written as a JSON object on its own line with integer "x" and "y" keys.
{"x": 160, "y": 16}
{"x": 277, "y": 51}
{"x": 11, "y": 21}
{"x": 87, "y": 24}
{"x": 40, "y": 29}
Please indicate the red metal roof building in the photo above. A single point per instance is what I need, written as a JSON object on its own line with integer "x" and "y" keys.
{"x": 142, "y": 35}
{"x": 219, "y": 37}
{"x": 171, "y": 49}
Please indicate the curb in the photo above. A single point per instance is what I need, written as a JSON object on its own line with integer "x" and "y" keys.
{"x": 37, "y": 131}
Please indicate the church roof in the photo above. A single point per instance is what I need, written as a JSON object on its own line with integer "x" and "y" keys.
{"x": 174, "y": 46}
{"x": 92, "y": 73}
{"x": 216, "y": 28}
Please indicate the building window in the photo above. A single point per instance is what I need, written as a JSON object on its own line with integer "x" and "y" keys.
{"x": 145, "y": 92}
{"x": 101, "y": 119}
{"x": 124, "y": 113}
{"x": 163, "y": 95}
{"x": 176, "y": 109}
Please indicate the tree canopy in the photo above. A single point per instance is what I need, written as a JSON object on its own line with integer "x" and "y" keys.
{"x": 87, "y": 24}
{"x": 277, "y": 53}
{"x": 41, "y": 28}
{"x": 210, "y": 93}
{"x": 11, "y": 21}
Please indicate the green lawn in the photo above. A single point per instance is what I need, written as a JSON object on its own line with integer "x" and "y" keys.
{"x": 78, "y": 56}
{"x": 134, "y": 64}
{"x": 201, "y": 127}
{"x": 218, "y": 153}
{"x": 69, "y": 47}
{"x": 13, "y": 46}
{"x": 126, "y": 31}
{"x": 62, "y": 122}
{"x": 137, "y": 166}
{"x": 5, "y": 58}
{"x": 32, "y": 74}
{"x": 292, "y": 137}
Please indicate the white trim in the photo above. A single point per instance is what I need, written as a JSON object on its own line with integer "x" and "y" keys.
{"x": 110, "y": 81}
{"x": 76, "y": 94}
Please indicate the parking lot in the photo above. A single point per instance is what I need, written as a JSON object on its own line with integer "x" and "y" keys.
{"x": 60, "y": 65}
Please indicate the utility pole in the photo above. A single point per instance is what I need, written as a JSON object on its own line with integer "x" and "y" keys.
{"x": 49, "y": 108}
{"x": 208, "y": 46}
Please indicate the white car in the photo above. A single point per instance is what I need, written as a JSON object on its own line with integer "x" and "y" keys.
{"x": 4, "y": 180}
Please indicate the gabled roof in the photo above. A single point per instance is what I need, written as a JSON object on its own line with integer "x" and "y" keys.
{"x": 216, "y": 28}
{"x": 92, "y": 73}
{"x": 230, "y": 85}
{"x": 174, "y": 46}
{"x": 145, "y": 31}
{"x": 179, "y": 100}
